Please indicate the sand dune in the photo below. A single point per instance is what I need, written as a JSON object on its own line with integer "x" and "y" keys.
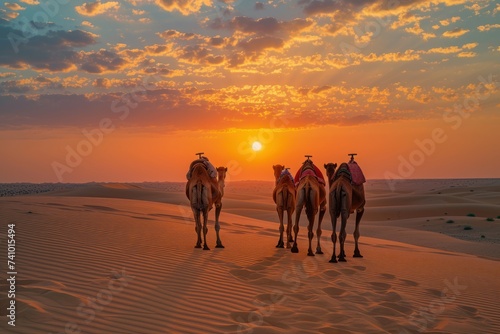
{"x": 120, "y": 259}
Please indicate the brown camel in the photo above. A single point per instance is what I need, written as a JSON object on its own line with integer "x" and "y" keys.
{"x": 284, "y": 197}
{"x": 312, "y": 195}
{"x": 344, "y": 199}
{"x": 202, "y": 194}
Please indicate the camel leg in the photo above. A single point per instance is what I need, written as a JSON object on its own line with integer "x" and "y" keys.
{"x": 205, "y": 229}
{"x": 298, "y": 211}
{"x": 359, "y": 214}
{"x": 322, "y": 212}
{"x": 342, "y": 237}
{"x": 218, "y": 208}
{"x": 280, "y": 244}
{"x": 310, "y": 234}
{"x": 197, "y": 227}
{"x": 197, "y": 218}
{"x": 289, "y": 237}
{"x": 334, "y": 236}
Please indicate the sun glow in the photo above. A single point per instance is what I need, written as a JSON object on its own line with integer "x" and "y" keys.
{"x": 256, "y": 146}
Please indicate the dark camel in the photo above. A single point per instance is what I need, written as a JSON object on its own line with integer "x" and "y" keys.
{"x": 284, "y": 197}
{"x": 312, "y": 195}
{"x": 344, "y": 199}
{"x": 202, "y": 194}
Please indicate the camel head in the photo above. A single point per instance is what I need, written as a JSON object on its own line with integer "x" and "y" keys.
{"x": 330, "y": 170}
{"x": 277, "y": 170}
{"x": 221, "y": 173}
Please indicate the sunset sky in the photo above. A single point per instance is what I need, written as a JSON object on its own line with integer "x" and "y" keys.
{"x": 131, "y": 90}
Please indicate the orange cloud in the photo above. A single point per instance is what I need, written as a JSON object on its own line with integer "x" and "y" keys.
{"x": 457, "y": 32}
{"x": 185, "y": 7}
{"x": 14, "y": 6}
{"x": 488, "y": 27}
{"x": 96, "y": 8}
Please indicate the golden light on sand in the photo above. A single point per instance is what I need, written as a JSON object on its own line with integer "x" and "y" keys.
{"x": 256, "y": 146}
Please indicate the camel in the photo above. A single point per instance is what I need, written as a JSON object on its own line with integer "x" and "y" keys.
{"x": 202, "y": 194}
{"x": 344, "y": 199}
{"x": 284, "y": 197}
{"x": 312, "y": 195}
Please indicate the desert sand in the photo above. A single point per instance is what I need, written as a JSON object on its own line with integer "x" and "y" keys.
{"x": 120, "y": 258}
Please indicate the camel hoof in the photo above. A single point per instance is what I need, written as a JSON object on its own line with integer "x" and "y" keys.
{"x": 333, "y": 260}
{"x": 280, "y": 245}
{"x": 357, "y": 255}
{"x": 310, "y": 253}
{"x": 342, "y": 259}
{"x": 220, "y": 246}
{"x": 197, "y": 246}
{"x": 295, "y": 249}
{"x": 206, "y": 247}
{"x": 319, "y": 252}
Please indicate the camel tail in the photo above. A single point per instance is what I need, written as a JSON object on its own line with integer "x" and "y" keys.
{"x": 284, "y": 196}
{"x": 340, "y": 197}
{"x": 307, "y": 197}
{"x": 199, "y": 195}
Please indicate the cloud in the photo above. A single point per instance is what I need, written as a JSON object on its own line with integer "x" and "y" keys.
{"x": 466, "y": 54}
{"x": 263, "y": 26}
{"x": 31, "y": 2}
{"x": 417, "y": 30}
{"x": 454, "y": 33}
{"x": 185, "y": 7}
{"x": 447, "y": 22}
{"x": 88, "y": 24}
{"x": 258, "y": 44}
{"x": 476, "y": 8}
{"x": 446, "y": 50}
{"x": 488, "y": 27}
{"x": 96, "y": 8}
{"x": 14, "y": 6}
{"x": 41, "y": 83}
{"x": 6, "y": 15}
{"x": 102, "y": 61}
{"x": 408, "y": 55}
{"x": 53, "y": 51}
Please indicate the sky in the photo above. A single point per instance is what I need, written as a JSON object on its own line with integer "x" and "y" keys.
{"x": 130, "y": 91}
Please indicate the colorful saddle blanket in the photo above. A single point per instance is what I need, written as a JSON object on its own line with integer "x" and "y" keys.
{"x": 285, "y": 173}
{"x": 307, "y": 172}
{"x": 357, "y": 176}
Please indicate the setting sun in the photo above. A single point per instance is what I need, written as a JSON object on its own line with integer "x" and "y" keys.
{"x": 256, "y": 146}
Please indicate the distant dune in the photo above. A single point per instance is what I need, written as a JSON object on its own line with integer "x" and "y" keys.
{"x": 120, "y": 258}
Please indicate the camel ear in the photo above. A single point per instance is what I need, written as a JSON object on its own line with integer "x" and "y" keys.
{"x": 283, "y": 166}
{"x": 274, "y": 166}
{"x": 325, "y": 166}
{"x": 335, "y": 165}
{"x": 225, "y": 169}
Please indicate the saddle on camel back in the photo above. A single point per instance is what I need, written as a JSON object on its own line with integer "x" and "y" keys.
{"x": 206, "y": 163}
{"x": 309, "y": 168}
{"x": 357, "y": 176}
{"x": 285, "y": 174}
